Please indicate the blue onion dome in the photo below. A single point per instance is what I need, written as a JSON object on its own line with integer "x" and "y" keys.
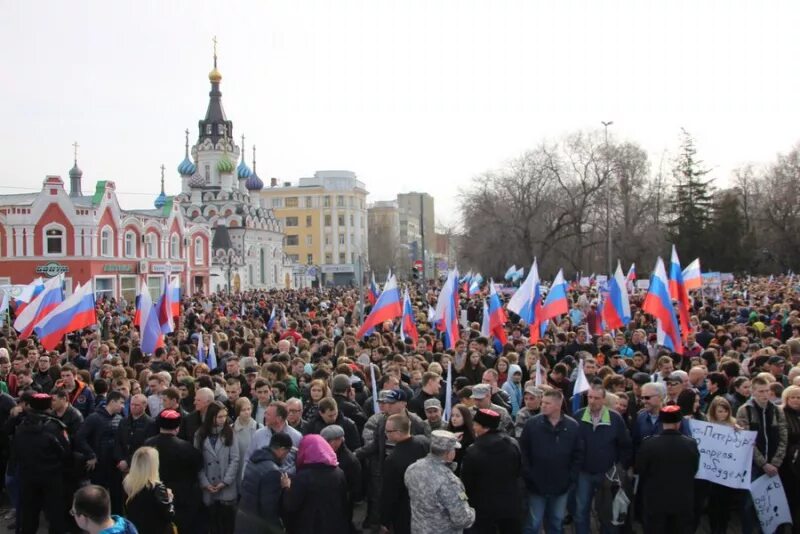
{"x": 197, "y": 180}
{"x": 254, "y": 183}
{"x": 186, "y": 167}
{"x": 243, "y": 170}
{"x": 160, "y": 200}
{"x": 225, "y": 165}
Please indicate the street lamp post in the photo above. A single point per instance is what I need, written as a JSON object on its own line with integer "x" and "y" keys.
{"x": 228, "y": 260}
{"x": 606, "y": 124}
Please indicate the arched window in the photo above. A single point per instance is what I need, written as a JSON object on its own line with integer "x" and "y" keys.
{"x": 150, "y": 245}
{"x": 55, "y": 243}
{"x": 130, "y": 244}
{"x": 106, "y": 245}
{"x": 199, "y": 254}
{"x": 174, "y": 246}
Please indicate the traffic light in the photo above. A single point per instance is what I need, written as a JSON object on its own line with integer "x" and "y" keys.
{"x": 415, "y": 272}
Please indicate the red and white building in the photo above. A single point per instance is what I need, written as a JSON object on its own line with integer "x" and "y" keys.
{"x": 90, "y": 238}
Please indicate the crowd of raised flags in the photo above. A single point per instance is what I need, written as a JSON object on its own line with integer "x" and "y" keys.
{"x": 667, "y": 300}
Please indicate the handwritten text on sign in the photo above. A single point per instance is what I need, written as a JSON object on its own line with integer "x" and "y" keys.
{"x": 726, "y": 454}
{"x": 770, "y": 502}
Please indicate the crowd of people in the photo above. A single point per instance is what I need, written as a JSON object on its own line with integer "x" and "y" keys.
{"x": 298, "y": 426}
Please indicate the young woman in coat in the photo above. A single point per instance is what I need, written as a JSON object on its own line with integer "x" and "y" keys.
{"x": 218, "y": 478}
{"x": 243, "y": 429}
{"x": 316, "y": 499}
{"x": 149, "y": 502}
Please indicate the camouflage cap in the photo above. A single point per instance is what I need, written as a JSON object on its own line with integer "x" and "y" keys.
{"x": 444, "y": 440}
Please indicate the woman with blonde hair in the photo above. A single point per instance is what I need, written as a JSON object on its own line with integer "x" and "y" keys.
{"x": 149, "y": 504}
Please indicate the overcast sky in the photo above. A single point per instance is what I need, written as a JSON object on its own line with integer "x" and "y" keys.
{"x": 411, "y": 95}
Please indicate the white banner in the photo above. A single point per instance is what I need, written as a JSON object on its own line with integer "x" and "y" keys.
{"x": 770, "y": 501}
{"x": 726, "y": 454}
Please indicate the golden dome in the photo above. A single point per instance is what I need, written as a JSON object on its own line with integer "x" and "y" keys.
{"x": 214, "y": 76}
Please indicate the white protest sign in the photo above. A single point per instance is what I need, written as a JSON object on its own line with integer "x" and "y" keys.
{"x": 643, "y": 284}
{"x": 726, "y": 454}
{"x": 584, "y": 281}
{"x": 770, "y": 501}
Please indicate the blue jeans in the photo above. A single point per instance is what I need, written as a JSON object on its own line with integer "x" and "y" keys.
{"x": 584, "y": 495}
{"x": 548, "y": 510}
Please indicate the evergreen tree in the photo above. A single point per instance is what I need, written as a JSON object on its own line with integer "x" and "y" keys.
{"x": 728, "y": 238}
{"x": 691, "y": 203}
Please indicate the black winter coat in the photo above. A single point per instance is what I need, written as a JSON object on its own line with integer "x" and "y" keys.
{"x": 179, "y": 465}
{"x": 260, "y": 492}
{"x": 491, "y": 475}
{"x": 674, "y": 477}
{"x": 99, "y": 434}
{"x": 395, "y": 503}
{"x": 40, "y": 446}
{"x": 352, "y": 411}
{"x": 131, "y": 434}
{"x": 317, "y": 501}
{"x": 150, "y": 510}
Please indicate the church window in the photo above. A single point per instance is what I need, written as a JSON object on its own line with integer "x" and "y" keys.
{"x": 174, "y": 246}
{"x": 54, "y": 241}
{"x": 198, "y": 251}
{"x": 208, "y": 129}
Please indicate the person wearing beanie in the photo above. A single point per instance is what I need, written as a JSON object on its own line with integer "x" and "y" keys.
{"x": 41, "y": 449}
{"x": 348, "y": 462}
{"x": 179, "y": 465}
{"x": 261, "y": 493}
{"x": 667, "y": 465}
{"x": 491, "y": 471}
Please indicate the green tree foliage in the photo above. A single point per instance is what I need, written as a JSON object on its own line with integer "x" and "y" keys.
{"x": 691, "y": 202}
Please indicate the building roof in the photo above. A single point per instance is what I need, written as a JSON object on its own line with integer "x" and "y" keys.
{"x": 19, "y": 199}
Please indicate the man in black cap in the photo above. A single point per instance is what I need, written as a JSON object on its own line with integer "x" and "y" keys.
{"x": 179, "y": 464}
{"x": 667, "y": 465}
{"x": 41, "y": 449}
{"x": 491, "y": 472}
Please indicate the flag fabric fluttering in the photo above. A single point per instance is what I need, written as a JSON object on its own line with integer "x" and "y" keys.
{"x": 510, "y": 273}
{"x": 519, "y": 274}
{"x": 201, "y": 349}
{"x": 211, "y": 359}
{"x": 581, "y": 386}
{"x": 658, "y": 303}
{"x": 386, "y": 308}
{"x": 616, "y": 309}
{"x": 538, "y": 379}
{"x": 475, "y": 285}
{"x": 556, "y": 303}
{"x": 284, "y": 322}
{"x": 175, "y": 295}
{"x": 448, "y": 392}
{"x": 485, "y": 329}
{"x": 374, "y": 291}
{"x": 497, "y": 318}
{"x": 677, "y": 290}
{"x": 75, "y": 313}
{"x": 408, "y": 325}
{"x": 23, "y": 293}
{"x": 446, "y": 315}
{"x": 692, "y": 276}
{"x": 631, "y": 273}
{"x": 527, "y": 302}
{"x": 149, "y": 328}
{"x": 37, "y": 309}
{"x": 375, "y": 406}
{"x": 271, "y": 321}
{"x": 164, "y": 308}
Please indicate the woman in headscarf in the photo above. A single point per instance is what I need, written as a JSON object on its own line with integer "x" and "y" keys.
{"x": 316, "y": 497}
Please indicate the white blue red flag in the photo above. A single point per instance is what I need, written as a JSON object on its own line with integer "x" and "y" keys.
{"x": 658, "y": 303}
{"x": 527, "y": 302}
{"x": 149, "y": 328}
{"x": 408, "y": 325}
{"x": 75, "y": 313}
{"x": 678, "y": 292}
{"x": 616, "y": 309}
{"x": 37, "y": 309}
{"x": 692, "y": 276}
{"x": 386, "y": 308}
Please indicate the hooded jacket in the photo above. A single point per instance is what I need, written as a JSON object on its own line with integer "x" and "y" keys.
{"x": 514, "y": 390}
{"x": 260, "y": 504}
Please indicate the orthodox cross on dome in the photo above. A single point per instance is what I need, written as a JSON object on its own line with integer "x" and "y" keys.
{"x": 254, "y": 157}
{"x": 214, "y": 40}
{"x": 187, "y": 141}
{"x": 75, "y": 146}
{"x": 162, "y": 178}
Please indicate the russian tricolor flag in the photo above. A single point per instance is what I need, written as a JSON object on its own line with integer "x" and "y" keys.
{"x": 446, "y": 318}
{"x": 386, "y": 308}
{"x": 165, "y": 309}
{"x": 527, "y": 302}
{"x": 408, "y": 325}
{"x": 658, "y": 303}
{"x": 678, "y": 292}
{"x": 497, "y": 316}
{"x": 75, "y": 313}
{"x": 616, "y": 309}
{"x": 475, "y": 285}
{"x": 149, "y": 327}
{"x": 374, "y": 291}
{"x": 175, "y": 296}
{"x": 556, "y": 302}
{"x": 271, "y": 321}
{"x": 46, "y": 301}
{"x": 692, "y": 276}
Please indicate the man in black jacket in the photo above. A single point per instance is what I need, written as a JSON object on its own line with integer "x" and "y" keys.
{"x": 329, "y": 414}
{"x": 97, "y": 437}
{"x": 667, "y": 464}
{"x": 395, "y": 506}
{"x": 133, "y": 431}
{"x": 342, "y": 390}
{"x": 179, "y": 464}
{"x": 490, "y": 472}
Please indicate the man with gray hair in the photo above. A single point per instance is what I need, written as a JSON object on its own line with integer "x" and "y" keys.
{"x": 482, "y": 395}
{"x": 532, "y": 398}
{"x": 190, "y": 424}
{"x": 438, "y": 502}
{"x": 294, "y": 417}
